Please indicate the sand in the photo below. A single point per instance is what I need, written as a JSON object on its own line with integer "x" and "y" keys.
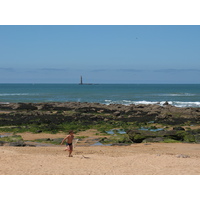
{"x": 136, "y": 159}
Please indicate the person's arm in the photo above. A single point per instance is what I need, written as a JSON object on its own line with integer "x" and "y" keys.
{"x": 64, "y": 140}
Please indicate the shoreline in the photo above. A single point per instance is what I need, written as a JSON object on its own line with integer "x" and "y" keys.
{"x": 178, "y": 104}
{"x": 141, "y": 113}
{"x": 180, "y": 95}
{"x": 174, "y": 124}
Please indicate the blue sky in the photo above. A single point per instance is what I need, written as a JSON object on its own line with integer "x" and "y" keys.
{"x": 101, "y": 54}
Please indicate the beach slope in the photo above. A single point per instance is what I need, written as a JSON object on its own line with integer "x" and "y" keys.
{"x": 137, "y": 159}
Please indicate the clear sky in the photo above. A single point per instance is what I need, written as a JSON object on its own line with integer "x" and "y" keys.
{"x": 101, "y": 54}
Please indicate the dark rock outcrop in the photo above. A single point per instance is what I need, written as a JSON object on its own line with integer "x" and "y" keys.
{"x": 56, "y": 113}
{"x": 17, "y": 144}
{"x": 138, "y": 136}
{"x": 178, "y": 129}
{"x": 51, "y": 115}
{"x": 2, "y": 143}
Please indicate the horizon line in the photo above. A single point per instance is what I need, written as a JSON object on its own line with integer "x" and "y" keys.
{"x": 103, "y": 83}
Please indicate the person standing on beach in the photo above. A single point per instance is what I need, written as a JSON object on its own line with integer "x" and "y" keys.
{"x": 69, "y": 139}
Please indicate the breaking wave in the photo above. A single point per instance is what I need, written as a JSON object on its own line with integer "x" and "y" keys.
{"x": 178, "y": 94}
{"x": 15, "y": 94}
{"x": 173, "y": 103}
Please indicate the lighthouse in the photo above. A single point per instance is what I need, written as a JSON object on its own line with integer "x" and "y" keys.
{"x": 81, "y": 81}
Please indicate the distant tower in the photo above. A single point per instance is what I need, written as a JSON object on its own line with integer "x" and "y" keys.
{"x": 81, "y": 82}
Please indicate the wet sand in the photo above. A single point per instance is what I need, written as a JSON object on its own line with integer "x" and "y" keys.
{"x": 136, "y": 159}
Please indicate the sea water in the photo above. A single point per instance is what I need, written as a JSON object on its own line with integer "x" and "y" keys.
{"x": 180, "y": 95}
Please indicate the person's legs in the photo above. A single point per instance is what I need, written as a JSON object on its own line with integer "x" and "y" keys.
{"x": 67, "y": 148}
{"x": 70, "y": 150}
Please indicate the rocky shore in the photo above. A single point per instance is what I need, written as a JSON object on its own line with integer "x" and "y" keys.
{"x": 146, "y": 147}
{"x": 56, "y": 116}
{"x": 141, "y": 113}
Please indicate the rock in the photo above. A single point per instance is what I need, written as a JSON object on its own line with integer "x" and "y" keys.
{"x": 23, "y": 114}
{"x": 178, "y": 128}
{"x": 17, "y": 144}
{"x": 120, "y": 144}
{"x": 139, "y": 136}
{"x": 197, "y": 138}
{"x": 182, "y": 156}
{"x": 117, "y": 113}
{"x": 57, "y": 140}
{"x": 189, "y": 138}
{"x": 119, "y": 117}
{"x": 2, "y": 143}
{"x": 30, "y": 145}
{"x": 156, "y": 139}
{"x": 26, "y": 106}
{"x": 166, "y": 103}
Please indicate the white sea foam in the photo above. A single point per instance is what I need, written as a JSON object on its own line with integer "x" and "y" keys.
{"x": 4, "y": 103}
{"x": 186, "y": 104}
{"x": 173, "y": 103}
{"x": 15, "y": 94}
{"x": 177, "y": 95}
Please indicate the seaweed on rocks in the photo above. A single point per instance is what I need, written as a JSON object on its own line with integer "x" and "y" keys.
{"x": 55, "y": 116}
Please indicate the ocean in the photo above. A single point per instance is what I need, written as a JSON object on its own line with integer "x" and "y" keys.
{"x": 179, "y": 95}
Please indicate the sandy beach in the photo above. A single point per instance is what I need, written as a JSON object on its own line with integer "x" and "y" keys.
{"x": 136, "y": 159}
{"x": 49, "y": 121}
